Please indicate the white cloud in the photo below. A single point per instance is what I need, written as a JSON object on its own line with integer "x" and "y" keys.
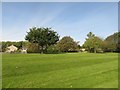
{"x": 42, "y": 17}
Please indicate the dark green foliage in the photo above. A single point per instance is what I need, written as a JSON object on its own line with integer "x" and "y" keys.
{"x": 52, "y": 49}
{"x": 44, "y": 37}
{"x": 46, "y": 40}
{"x": 90, "y": 35}
{"x": 112, "y": 43}
{"x": 32, "y": 48}
{"x": 67, "y": 44}
{"x": 3, "y": 46}
{"x": 79, "y": 46}
{"x": 19, "y": 44}
{"x": 0, "y": 46}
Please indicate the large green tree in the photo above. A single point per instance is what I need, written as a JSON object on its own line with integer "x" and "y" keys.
{"x": 43, "y": 37}
{"x": 93, "y": 43}
{"x": 112, "y": 42}
{"x": 32, "y": 48}
{"x": 67, "y": 44}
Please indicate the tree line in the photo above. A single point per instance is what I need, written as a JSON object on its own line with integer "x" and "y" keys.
{"x": 46, "y": 40}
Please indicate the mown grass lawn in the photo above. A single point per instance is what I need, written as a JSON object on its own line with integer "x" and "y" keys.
{"x": 73, "y": 70}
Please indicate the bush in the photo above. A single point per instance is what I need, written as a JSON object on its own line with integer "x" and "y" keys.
{"x": 52, "y": 49}
{"x": 67, "y": 44}
{"x": 32, "y": 48}
{"x": 99, "y": 50}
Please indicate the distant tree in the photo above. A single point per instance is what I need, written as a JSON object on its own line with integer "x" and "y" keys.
{"x": 67, "y": 44}
{"x": 112, "y": 42}
{"x": 5, "y": 45}
{"x": 90, "y": 35}
{"x": 42, "y": 36}
{"x": 52, "y": 49}
{"x": 79, "y": 46}
{"x": 93, "y": 43}
{"x": 0, "y": 46}
{"x": 32, "y": 47}
{"x": 18, "y": 44}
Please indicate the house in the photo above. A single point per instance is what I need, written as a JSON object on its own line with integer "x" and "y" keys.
{"x": 82, "y": 49}
{"x": 24, "y": 50}
{"x": 11, "y": 49}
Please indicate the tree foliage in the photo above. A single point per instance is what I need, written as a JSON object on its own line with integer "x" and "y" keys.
{"x": 18, "y": 44}
{"x": 52, "y": 49}
{"x": 42, "y": 36}
{"x": 32, "y": 47}
{"x": 46, "y": 40}
{"x": 93, "y": 43}
{"x": 67, "y": 44}
{"x": 112, "y": 42}
{"x": 90, "y": 35}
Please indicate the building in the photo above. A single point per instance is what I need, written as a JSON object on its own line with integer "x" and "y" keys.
{"x": 24, "y": 50}
{"x": 82, "y": 49}
{"x": 11, "y": 49}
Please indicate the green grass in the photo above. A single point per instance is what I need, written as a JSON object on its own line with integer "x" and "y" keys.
{"x": 77, "y": 70}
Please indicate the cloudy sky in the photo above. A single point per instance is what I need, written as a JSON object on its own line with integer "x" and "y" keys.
{"x": 68, "y": 19}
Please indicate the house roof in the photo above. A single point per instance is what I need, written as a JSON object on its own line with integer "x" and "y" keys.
{"x": 12, "y": 47}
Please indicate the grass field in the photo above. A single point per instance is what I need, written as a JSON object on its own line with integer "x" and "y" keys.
{"x": 77, "y": 70}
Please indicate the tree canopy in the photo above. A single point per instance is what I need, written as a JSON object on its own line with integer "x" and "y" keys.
{"x": 67, "y": 44}
{"x": 93, "y": 42}
{"x": 112, "y": 42}
{"x": 90, "y": 35}
{"x": 46, "y": 40}
{"x": 42, "y": 36}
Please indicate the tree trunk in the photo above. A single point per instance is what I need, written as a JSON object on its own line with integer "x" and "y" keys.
{"x": 41, "y": 49}
{"x": 46, "y": 49}
{"x": 94, "y": 50}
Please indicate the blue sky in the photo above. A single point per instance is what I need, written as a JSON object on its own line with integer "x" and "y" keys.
{"x": 68, "y": 19}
